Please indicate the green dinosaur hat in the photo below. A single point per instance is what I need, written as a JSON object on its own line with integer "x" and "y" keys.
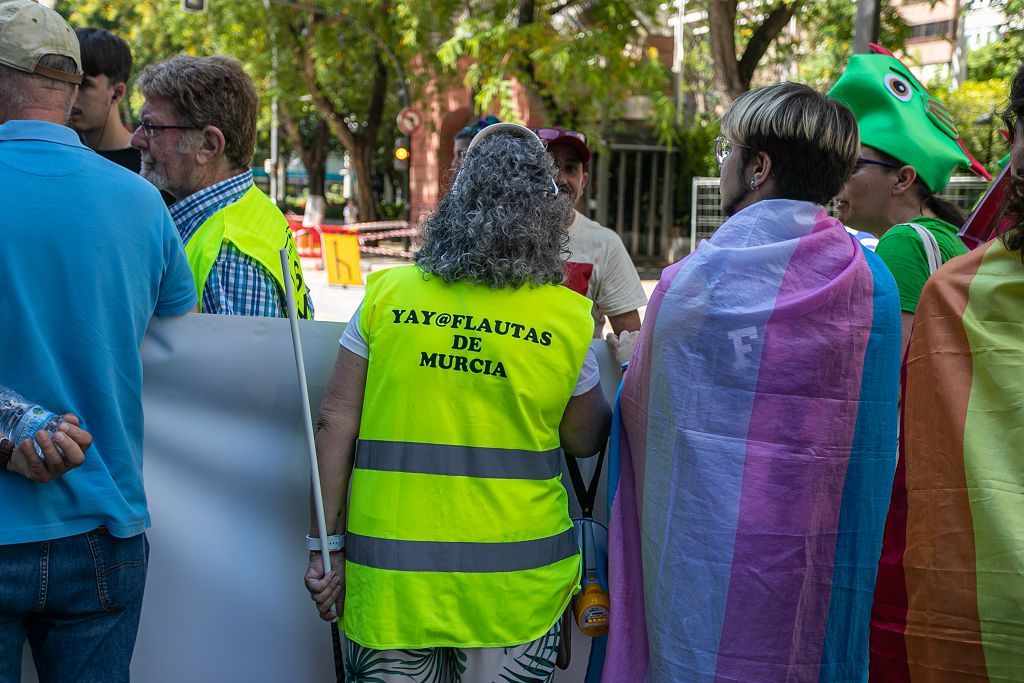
{"x": 896, "y": 115}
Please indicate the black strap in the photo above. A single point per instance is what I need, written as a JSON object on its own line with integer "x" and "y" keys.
{"x": 585, "y": 495}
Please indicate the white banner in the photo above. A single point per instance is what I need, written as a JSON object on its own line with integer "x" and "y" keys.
{"x": 227, "y": 478}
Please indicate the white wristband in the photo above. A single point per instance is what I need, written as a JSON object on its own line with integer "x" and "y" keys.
{"x": 334, "y": 542}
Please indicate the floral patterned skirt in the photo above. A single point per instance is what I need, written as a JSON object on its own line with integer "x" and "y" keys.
{"x": 532, "y": 662}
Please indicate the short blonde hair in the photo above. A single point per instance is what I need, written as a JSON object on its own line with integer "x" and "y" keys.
{"x": 209, "y": 91}
{"x": 811, "y": 139}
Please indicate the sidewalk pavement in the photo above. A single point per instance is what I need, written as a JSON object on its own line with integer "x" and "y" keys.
{"x": 338, "y": 303}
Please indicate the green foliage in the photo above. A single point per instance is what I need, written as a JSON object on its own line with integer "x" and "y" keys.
{"x": 1002, "y": 58}
{"x": 695, "y": 158}
{"x": 815, "y": 52}
{"x": 391, "y": 211}
{"x": 975, "y": 107}
{"x": 999, "y": 59}
{"x": 582, "y": 63}
{"x": 154, "y": 30}
{"x": 827, "y": 38}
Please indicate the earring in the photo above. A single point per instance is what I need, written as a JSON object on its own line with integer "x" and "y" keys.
{"x": 753, "y": 183}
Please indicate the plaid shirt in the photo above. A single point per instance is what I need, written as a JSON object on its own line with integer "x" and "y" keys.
{"x": 237, "y": 284}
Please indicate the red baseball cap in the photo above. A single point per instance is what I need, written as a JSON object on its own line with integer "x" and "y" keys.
{"x": 561, "y": 136}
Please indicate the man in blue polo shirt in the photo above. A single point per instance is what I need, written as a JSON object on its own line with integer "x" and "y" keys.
{"x": 89, "y": 256}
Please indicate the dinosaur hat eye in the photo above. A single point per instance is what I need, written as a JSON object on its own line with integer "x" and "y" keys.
{"x": 898, "y": 87}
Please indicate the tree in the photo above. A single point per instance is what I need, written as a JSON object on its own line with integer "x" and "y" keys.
{"x": 808, "y": 42}
{"x": 1001, "y": 58}
{"x": 581, "y": 60}
{"x": 827, "y": 27}
{"x": 308, "y": 137}
{"x": 153, "y": 30}
{"x": 246, "y": 29}
{"x": 352, "y": 61}
{"x": 734, "y": 70}
{"x": 344, "y": 55}
{"x": 975, "y": 110}
{"x": 356, "y": 130}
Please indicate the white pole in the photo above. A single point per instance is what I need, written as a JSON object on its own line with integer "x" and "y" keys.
{"x": 274, "y": 161}
{"x": 300, "y": 368}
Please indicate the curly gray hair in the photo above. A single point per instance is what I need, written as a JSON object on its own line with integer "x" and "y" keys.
{"x": 502, "y": 225}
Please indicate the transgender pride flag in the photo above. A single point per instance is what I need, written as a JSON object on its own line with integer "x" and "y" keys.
{"x": 756, "y": 458}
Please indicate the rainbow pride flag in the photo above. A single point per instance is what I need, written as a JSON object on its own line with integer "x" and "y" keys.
{"x": 949, "y": 603}
{"x": 752, "y": 471}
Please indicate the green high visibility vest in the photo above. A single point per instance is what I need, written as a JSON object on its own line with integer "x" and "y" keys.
{"x": 458, "y": 528}
{"x": 256, "y": 227}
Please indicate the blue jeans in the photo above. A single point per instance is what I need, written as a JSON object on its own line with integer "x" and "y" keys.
{"x": 77, "y": 600}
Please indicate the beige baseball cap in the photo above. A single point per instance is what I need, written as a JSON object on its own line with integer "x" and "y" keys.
{"x": 28, "y": 31}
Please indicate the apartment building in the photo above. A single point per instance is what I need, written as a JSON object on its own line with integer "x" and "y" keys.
{"x": 941, "y": 35}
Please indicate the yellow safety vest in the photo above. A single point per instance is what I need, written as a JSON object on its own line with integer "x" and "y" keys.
{"x": 256, "y": 227}
{"x": 458, "y": 528}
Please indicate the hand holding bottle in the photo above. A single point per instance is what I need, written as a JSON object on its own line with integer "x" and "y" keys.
{"x": 64, "y": 452}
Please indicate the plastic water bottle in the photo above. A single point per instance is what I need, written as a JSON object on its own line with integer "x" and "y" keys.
{"x": 20, "y": 419}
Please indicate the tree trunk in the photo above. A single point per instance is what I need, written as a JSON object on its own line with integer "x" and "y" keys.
{"x": 553, "y": 115}
{"x": 526, "y": 12}
{"x": 316, "y": 166}
{"x": 360, "y": 146}
{"x": 313, "y": 157}
{"x": 362, "y": 164}
{"x": 722, "y": 27}
{"x": 734, "y": 74}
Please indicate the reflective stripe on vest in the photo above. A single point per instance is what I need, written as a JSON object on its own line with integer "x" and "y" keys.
{"x": 458, "y": 526}
{"x": 442, "y": 556}
{"x": 458, "y": 461}
{"x": 258, "y": 229}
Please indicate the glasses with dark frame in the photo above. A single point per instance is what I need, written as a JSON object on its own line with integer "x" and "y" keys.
{"x": 152, "y": 130}
{"x": 861, "y": 161}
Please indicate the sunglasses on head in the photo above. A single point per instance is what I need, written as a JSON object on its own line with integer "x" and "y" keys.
{"x": 555, "y": 133}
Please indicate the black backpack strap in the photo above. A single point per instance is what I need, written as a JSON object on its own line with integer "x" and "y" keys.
{"x": 586, "y": 495}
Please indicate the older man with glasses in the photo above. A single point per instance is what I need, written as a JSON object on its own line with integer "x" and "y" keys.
{"x": 197, "y": 135}
{"x": 599, "y": 267}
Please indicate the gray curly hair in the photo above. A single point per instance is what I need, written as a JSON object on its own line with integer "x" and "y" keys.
{"x": 502, "y": 225}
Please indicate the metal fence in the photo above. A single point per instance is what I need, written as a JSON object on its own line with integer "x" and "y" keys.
{"x": 631, "y": 192}
{"x": 706, "y": 214}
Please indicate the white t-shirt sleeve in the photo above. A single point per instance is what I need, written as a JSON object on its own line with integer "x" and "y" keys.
{"x": 590, "y": 374}
{"x": 617, "y": 288}
{"x": 352, "y": 338}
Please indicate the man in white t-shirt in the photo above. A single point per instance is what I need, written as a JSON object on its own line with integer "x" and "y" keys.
{"x": 599, "y": 266}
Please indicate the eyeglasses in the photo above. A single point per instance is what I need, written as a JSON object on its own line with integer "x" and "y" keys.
{"x": 723, "y": 148}
{"x": 550, "y": 134}
{"x": 152, "y": 130}
{"x": 861, "y": 161}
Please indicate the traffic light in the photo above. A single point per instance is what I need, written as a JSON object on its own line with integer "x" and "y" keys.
{"x": 402, "y": 154}
{"x": 194, "y": 5}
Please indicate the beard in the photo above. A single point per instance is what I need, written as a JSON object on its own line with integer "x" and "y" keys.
{"x": 733, "y": 205}
{"x": 151, "y": 172}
